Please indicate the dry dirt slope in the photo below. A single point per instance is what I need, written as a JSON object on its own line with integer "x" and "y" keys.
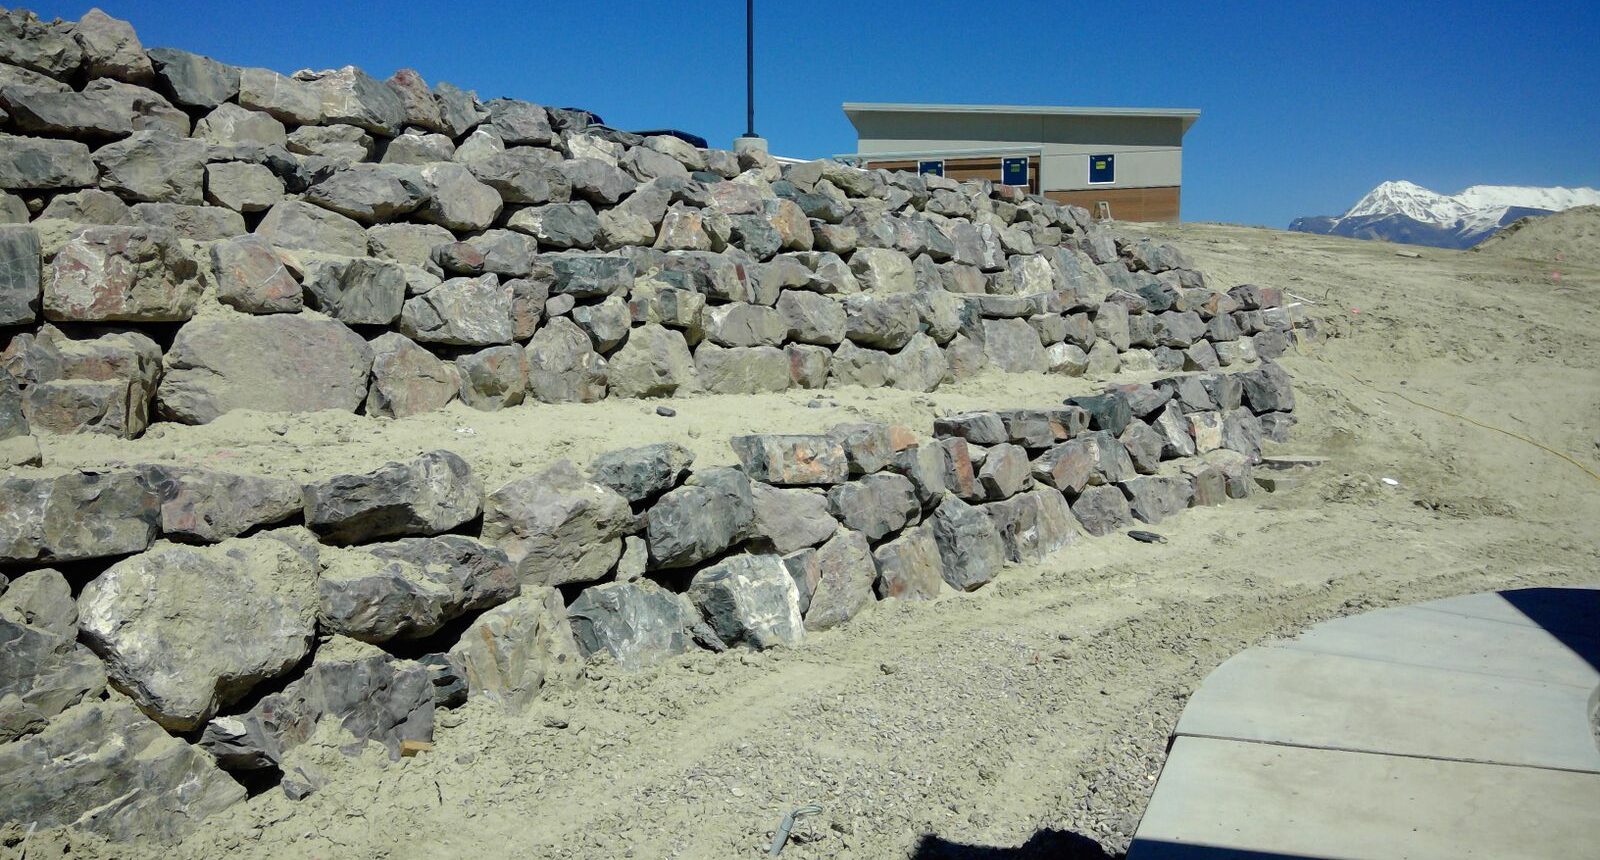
{"x": 1034, "y": 712}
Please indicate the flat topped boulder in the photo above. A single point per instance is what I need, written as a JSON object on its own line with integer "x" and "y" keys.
{"x": 409, "y": 589}
{"x": 427, "y": 496}
{"x": 557, "y": 527}
{"x": 187, "y": 630}
{"x": 792, "y": 459}
{"x": 135, "y": 274}
{"x": 75, "y": 516}
{"x": 278, "y": 363}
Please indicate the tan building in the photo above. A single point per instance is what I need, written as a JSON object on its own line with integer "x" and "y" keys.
{"x": 1124, "y": 163}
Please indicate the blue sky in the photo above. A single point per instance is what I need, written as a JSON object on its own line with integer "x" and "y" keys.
{"x": 1305, "y": 105}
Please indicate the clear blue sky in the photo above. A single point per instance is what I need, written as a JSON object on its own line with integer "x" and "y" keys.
{"x": 1305, "y": 105}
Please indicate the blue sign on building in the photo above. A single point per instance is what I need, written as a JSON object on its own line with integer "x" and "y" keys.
{"x": 934, "y": 167}
{"x": 1102, "y": 169}
{"x": 1014, "y": 171}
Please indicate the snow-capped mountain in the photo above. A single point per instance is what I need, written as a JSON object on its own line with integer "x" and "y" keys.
{"x": 1406, "y": 212}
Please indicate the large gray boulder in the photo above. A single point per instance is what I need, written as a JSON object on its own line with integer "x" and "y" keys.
{"x": 461, "y": 312}
{"x": 751, "y": 600}
{"x": 106, "y": 768}
{"x": 970, "y": 549}
{"x": 299, "y": 225}
{"x": 1034, "y": 524}
{"x": 111, "y": 49}
{"x": 790, "y": 519}
{"x": 355, "y": 290}
{"x": 514, "y": 651}
{"x": 136, "y": 274}
{"x": 493, "y": 378}
{"x": 411, "y": 588}
{"x": 168, "y": 622}
{"x": 207, "y": 505}
{"x": 155, "y": 166}
{"x": 637, "y": 623}
{"x": 41, "y": 599}
{"x": 90, "y": 384}
{"x": 192, "y": 80}
{"x": 654, "y": 362}
{"x": 370, "y": 193}
{"x": 1267, "y": 389}
{"x": 1153, "y": 498}
{"x": 641, "y": 473}
{"x": 843, "y": 587}
{"x": 457, "y": 200}
{"x": 250, "y": 277}
{"x": 44, "y": 673}
{"x": 427, "y": 496}
{"x": 46, "y": 47}
{"x": 557, "y": 527}
{"x": 741, "y": 369}
{"x": 876, "y": 505}
{"x": 21, "y": 274}
{"x": 910, "y": 566}
{"x": 1102, "y": 510}
{"x": 525, "y": 176}
{"x": 349, "y": 95}
{"x": 279, "y": 363}
{"x": 884, "y": 321}
{"x": 76, "y": 516}
{"x": 281, "y": 96}
{"x": 563, "y": 366}
{"x": 700, "y": 520}
{"x": 34, "y": 163}
{"x": 792, "y": 459}
{"x": 407, "y": 379}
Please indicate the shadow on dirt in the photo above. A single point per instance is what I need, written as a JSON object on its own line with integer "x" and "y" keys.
{"x": 1052, "y": 844}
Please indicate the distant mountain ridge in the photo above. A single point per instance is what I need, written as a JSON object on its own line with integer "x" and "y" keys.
{"x": 1400, "y": 211}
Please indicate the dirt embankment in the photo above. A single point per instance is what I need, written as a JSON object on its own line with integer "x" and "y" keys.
{"x": 1033, "y": 712}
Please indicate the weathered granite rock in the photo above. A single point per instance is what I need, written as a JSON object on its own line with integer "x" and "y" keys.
{"x": 1110, "y": 412}
{"x": 808, "y": 365}
{"x": 41, "y": 599}
{"x": 853, "y": 365}
{"x": 155, "y": 166}
{"x": 1145, "y": 446}
{"x": 844, "y": 576}
{"x": 421, "y": 108}
{"x": 1066, "y": 467}
{"x": 1153, "y": 498}
{"x": 1241, "y": 432}
{"x": 251, "y": 278}
{"x": 924, "y": 465}
{"x": 339, "y": 144}
{"x": 414, "y": 147}
{"x": 407, "y": 379}
{"x": 1005, "y": 472}
{"x": 40, "y": 163}
{"x": 300, "y": 225}
{"x": 606, "y": 323}
{"x": 749, "y": 599}
{"x": 284, "y": 363}
{"x": 1032, "y": 525}
{"x": 1267, "y": 389}
{"x": 882, "y": 321}
{"x": 557, "y": 527}
{"x": 1102, "y": 510}
{"x": 355, "y": 290}
{"x": 45, "y": 672}
{"x": 558, "y": 226}
{"x": 460, "y": 312}
{"x": 877, "y": 505}
{"x": 910, "y": 566}
{"x": 563, "y": 366}
{"x": 194, "y": 223}
{"x": 75, "y": 516}
{"x": 970, "y": 548}
{"x": 409, "y": 589}
{"x": 366, "y": 693}
{"x": 20, "y": 275}
{"x": 700, "y": 520}
{"x": 655, "y": 362}
{"x": 1209, "y": 486}
{"x": 597, "y": 182}
{"x": 790, "y": 519}
{"x": 882, "y": 270}
{"x": 869, "y": 446}
{"x": 792, "y": 460}
{"x": 370, "y": 193}
{"x": 644, "y": 472}
{"x": 111, "y": 49}
{"x": 741, "y": 370}
{"x": 426, "y": 496}
{"x": 166, "y": 622}
{"x": 207, "y": 505}
{"x": 283, "y": 97}
{"x": 89, "y": 206}
{"x": 105, "y": 768}
{"x": 138, "y": 274}
{"x": 514, "y": 651}
{"x": 637, "y": 623}
{"x": 1173, "y": 426}
{"x": 457, "y": 200}
{"x": 91, "y": 384}
{"x": 979, "y": 428}
{"x": 1013, "y": 346}
{"x": 349, "y": 95}
{"x": 192, "y": 80}
{"x": 493, "y": 378}
{"x": 458, "y": 109}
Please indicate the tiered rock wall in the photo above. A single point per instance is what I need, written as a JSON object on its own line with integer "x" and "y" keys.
{"x": 200, "y": 238}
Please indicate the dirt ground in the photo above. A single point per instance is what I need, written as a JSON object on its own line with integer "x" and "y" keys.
{"x": 1028, "y": 719}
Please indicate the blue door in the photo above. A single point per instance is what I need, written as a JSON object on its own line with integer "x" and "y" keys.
{"x": 1014, "y": 171}
{"x": 934, "y": 167}
{"x": 1102, "y": 169}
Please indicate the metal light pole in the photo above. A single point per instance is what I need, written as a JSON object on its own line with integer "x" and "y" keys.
{"x": 749, "y": 141}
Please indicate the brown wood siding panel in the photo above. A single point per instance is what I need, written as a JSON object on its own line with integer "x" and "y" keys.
{"x": 1127, "y": 204}
{"x": 962, "y": 169}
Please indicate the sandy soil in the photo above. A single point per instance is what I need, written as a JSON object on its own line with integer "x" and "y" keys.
{"x": 1034, "y": 712}
{"x": 1561, "y": 241}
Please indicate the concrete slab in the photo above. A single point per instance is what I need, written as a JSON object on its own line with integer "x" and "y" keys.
{"x": 1230, "y": 799}
{"x": 1442, "y": 640}
{"x": 1302, "y": 698}
{"x": 1565, "y": 611}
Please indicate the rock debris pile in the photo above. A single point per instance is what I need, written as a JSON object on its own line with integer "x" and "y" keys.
{"x": 180, "y": 238}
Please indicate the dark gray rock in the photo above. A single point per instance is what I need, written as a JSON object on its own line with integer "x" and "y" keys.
{"x": 876, "y": 505}
{"x": 1267, "y": 389}
{"x": 20, "y": 274}
{"x": 493, "y": 378}
{"x": 870, "y": 447}
{"x": 1144, "y": 445}
{"x": 192, "y": 80}
{"x": 1241, "y": 432}
{"x": 845, "y": 575}
{"x": 597, "y": 182}
{"x": 924, "y": 464}
{"x": 105, "y": 768}
{"x": 460, "y": 312}
{"x": 410, "y": 588}
{"x": 557, "y": 527}
{"x": 558, "y": 226}
{"x": 1005, "y": 472}
{"x": 299, "y": 225}
{"x": 607, "y": 323}
{"x": 790, "y": 519}
{"x": 75, "y": 516}
{"x": 195, "y": 223}
{"x": 251, "y": 278}
{"x": 1110, "y": 412}
{"x": 356, "y": 290}
{"x": 155, "y": 166}
{"x": 741, "y": 370}
{"x": 699, "y": 521}
{"x": 44, "y": 673}
{"x": 289, "y": 100}
{"x": 1153, "y": 498}
{"x": 563, "y": 366}
{"x": 1176, "y": 440}
{"x": 47, "y": 47}
{"x": 637, "y": 623}
{"x": 167, "y": 622}
{"x": 589, "y": 275}
{"x": 530, "y": 177}
{"x": 407, "y": 379}
{"x": 970, "y": 548}
{"x": 910, "y": 566}
{"x": 792, "y": 460}
{"x": 1226, "y": 390}
{"x": 207, "y": 505}
{"x": 641, "y": 473}
{"x": 427, "y": 496}
{"x": 1032, "y": 525}
{"x": 457, "y": 200}
{"x": 883, "y": 321}
{"x": 37, "y": 163}
{"x": 370, "y": 193}
{"x": 1102, "y": 510}
{"x": 654, "y": 362}
{"x": 979, "y": 428}
{"x": 351, "y": 96}
{"x": 749, "y": 599}
{"x": 41, "y": 599}
{"x": 520, "y": 123}
{"x": 513, "y": 652}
